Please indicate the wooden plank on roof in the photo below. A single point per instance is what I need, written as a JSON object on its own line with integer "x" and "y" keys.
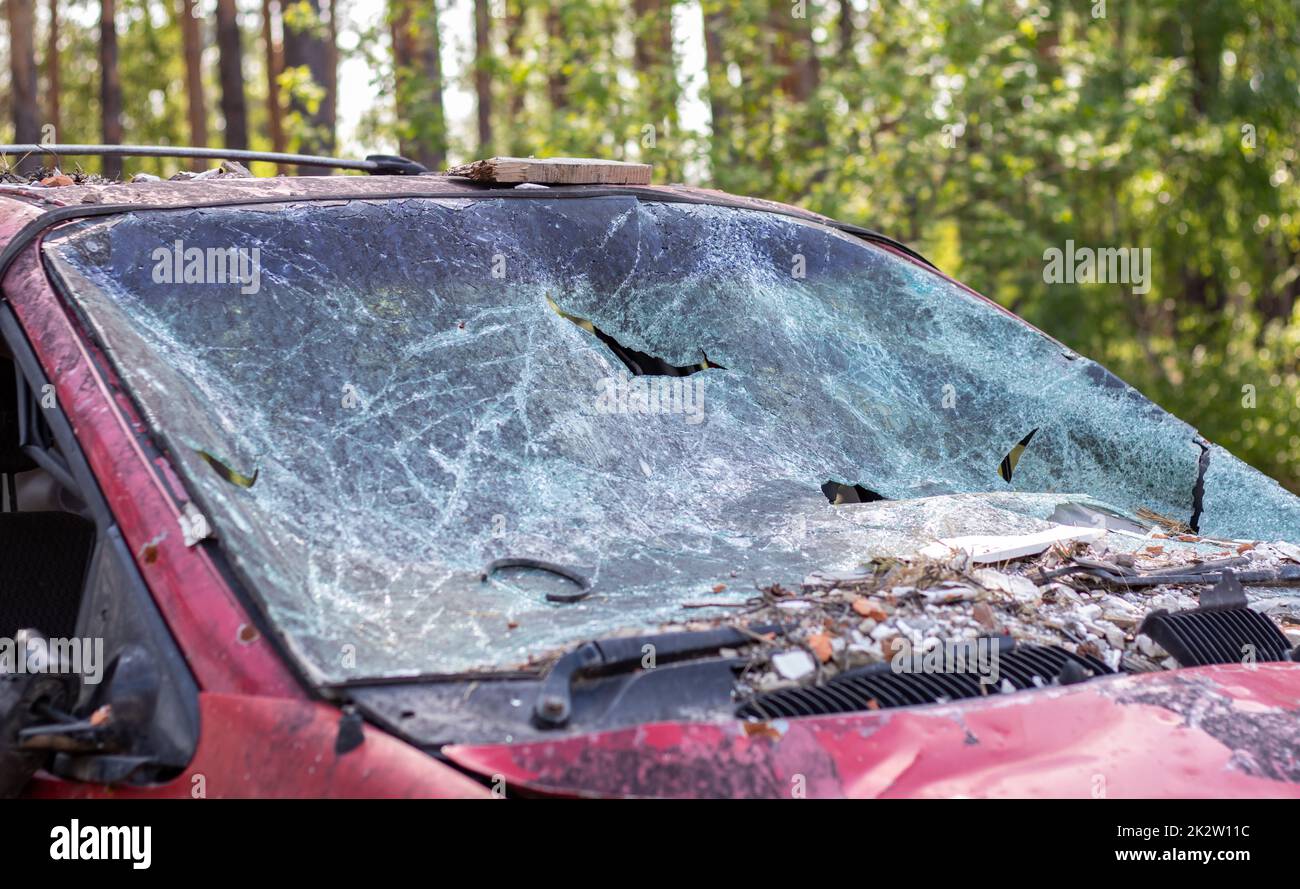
{"x": 554, "y": 171}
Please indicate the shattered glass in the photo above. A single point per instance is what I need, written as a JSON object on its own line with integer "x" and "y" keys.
{"x": 421, "y": 386}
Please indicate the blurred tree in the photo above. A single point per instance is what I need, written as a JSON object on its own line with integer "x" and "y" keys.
{"x": 417, "y": 62}
{"x": 483, "y": 71}
{"x": 110, "y": 87}
{"x": 657, "y": 92}
{"x": 984, "y": 133}
{"x": 308, "y": 62}
{"x": 192, "y": 43}
{"x": 53, "y": 87}
{"x": 231, "y": 75}
{"x": 274, "y": 65}
{"x": 22, "y": 66}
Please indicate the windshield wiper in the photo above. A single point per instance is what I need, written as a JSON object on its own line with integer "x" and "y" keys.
{"x": 619, "y": 654}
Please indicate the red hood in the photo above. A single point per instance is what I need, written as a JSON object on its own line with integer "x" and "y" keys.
{"x": 1209, "y": 732}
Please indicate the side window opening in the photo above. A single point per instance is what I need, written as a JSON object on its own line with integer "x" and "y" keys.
{"x": 46, "y": 536}
{"x": 66, "y": 574}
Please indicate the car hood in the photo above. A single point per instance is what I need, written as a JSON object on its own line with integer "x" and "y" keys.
{"x": 1212, "y": 732}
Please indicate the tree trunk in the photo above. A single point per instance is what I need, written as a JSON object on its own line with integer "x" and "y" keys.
{"x": 417, "y": 65}
{"x": 483, "y": 75}
{"x": 52, "y": 72}
{"x": 192, "y": 44}
{"x": 848, "y": 33}
{"x": 274, "y": 68}
{"x": 22, "y": 66}
{"x": 330, "y": 105}
{"x": 557, "y": 84}
{"x": 110, "y": 87}
{"x": 306, "y": 47}
{"x": 720, "y": 89}
{"x": 518, "y": 91}
{"x": 231, "y": 70}
{"x": 653, "y": 57}
{"x": 794, "y": 51}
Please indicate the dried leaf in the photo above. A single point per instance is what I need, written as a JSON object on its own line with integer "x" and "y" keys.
{"x": 820, "y": 643}
{"x": 867, "y": 608}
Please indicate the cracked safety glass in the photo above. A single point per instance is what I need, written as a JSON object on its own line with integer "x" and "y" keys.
{"x": 659, "y": 404}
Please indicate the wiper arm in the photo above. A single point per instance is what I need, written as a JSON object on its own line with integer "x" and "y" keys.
{"x": 555, "y": 699}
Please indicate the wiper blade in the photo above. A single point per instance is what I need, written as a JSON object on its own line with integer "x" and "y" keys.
{"x": 604, "y": 656}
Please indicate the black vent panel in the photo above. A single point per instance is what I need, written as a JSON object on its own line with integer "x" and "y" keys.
{"x": 1217, "y": 636}
{"x": 879, "y": 687}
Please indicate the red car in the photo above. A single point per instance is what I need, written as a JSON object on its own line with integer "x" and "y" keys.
{"x": 423, "y": 486}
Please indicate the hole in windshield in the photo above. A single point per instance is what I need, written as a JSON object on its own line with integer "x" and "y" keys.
{"x": 639, "y": 363}
{"x": 1008, "y": 464}
{"x": 839, "y": 493}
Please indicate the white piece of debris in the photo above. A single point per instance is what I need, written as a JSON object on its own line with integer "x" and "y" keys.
{"x": 1287, "y": 550}
{"x": 1021, "y": 588}
{"x": 1150, "y": 647}
{"x": 951, "y": 591}
{"x": 793, "y": 665}
{"x": 985, "y": 549}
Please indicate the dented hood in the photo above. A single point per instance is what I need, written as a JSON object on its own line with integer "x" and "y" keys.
{"x": 1211, "y": 732}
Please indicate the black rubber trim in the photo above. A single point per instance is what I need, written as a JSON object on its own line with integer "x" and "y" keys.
{"x": 33, "y": 229}
{"x": 584, "y": 585}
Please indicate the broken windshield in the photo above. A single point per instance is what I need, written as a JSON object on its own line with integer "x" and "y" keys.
{"x": 669, "y": 403}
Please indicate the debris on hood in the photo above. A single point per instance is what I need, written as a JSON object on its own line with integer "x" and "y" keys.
{"x": 1056, "y": 595}
{"x": 226, "y": 170}
{"x": 50, "y": 177}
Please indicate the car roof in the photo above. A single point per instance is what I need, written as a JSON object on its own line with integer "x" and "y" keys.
{"x": 230, "y": 189}
{"x": 100, "y": 197}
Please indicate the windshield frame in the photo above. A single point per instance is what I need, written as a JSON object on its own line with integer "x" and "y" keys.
{"x": 655, "y": 198}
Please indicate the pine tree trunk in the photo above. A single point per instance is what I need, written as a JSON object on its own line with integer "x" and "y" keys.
{"x": 22, "y": 66}
{"x": 329, "y": 107}
{"x": 274, "y": 68}
{"x": 720, "y": 89}
{"x": 848, "y": 33}
{"x": 110, "y": 86}
{"x": 417, "y": 62}
{"x": 483, "y": 75}
{"x": 192, "y": 44}
{"x": 557, "y": 84}
{"x": 307, "y": 47}
{"x": 231, "y": 71}
{"x": 653, "y": 58}
{"x": 515, "y": 125}
{"x": 53, "y": 82}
